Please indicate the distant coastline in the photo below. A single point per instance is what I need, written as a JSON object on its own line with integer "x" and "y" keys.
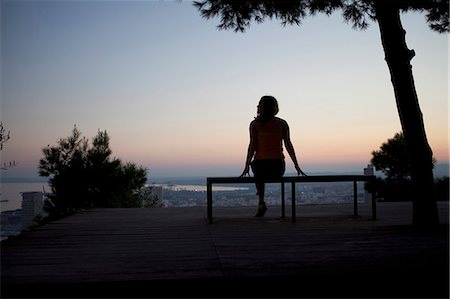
{"x": 440, "y": 170}
{"x": 36, "y": 179}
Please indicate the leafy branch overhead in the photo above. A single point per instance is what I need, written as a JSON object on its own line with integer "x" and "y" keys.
{"x": 238, "y": 15}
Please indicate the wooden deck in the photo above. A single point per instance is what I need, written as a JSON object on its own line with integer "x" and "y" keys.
{"x": 174, "y": 252}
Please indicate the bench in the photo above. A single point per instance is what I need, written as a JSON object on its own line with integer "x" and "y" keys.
{"x": 292, "y": 180}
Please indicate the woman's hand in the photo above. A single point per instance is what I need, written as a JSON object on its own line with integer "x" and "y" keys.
{"x": 299, "y": 171}
{"x": 246, "y": 171}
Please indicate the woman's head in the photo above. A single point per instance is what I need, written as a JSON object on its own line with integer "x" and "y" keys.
{"x": 267, "y": 107}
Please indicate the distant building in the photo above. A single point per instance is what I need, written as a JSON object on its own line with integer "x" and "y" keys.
{"x": 32, "y": 207}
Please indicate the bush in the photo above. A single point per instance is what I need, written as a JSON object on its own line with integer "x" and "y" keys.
{"x": 442, "y": 189}
{"x": 84, "y": 176}
{"x": 391, "y": 159}
{"x": 391, "y": 190}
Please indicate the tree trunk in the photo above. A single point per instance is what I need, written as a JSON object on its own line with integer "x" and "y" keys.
{"x": 398, "y": 58}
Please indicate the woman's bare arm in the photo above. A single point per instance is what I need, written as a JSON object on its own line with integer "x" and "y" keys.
{"x": 290, "y": 148}
{"x": 251, "y": 150}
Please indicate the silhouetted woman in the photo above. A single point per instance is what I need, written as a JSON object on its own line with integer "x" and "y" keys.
{"x": 265, "y": 151}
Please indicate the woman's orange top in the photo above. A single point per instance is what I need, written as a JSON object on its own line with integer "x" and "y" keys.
{"x": 269, "y": 139}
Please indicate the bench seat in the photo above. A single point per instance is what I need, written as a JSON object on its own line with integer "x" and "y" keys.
{"x": 293, "y": 180}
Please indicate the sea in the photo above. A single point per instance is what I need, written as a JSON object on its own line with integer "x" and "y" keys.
{"x": 11, "y": 194}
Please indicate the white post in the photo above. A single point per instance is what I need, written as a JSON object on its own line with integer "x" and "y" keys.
{"x": 368, "y": 171}
{"x": 32, "y": 206}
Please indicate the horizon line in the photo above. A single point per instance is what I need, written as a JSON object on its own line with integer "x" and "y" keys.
{"x": 442, "y": 172}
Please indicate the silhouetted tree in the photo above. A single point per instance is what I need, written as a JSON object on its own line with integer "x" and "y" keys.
{"x": 4, "y": 136}
{"x": 392, "y": 160}
{"x": 238, "y": 15}
{"x": 84, "y": 176}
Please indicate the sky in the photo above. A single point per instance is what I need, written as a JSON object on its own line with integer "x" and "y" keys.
{"x": 176, "y": 95}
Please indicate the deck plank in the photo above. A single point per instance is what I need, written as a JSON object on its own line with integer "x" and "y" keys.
{"x": 175, "y": 252}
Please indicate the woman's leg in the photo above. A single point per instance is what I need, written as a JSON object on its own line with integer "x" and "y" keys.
{"x": 258, "y": 168}
{"x": 260, "y": 188}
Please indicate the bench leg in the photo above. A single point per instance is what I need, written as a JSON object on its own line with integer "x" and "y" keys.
{"x": 355, "y": 199}
{"x": 282, "y": 201}
{"x": 209, "y": 202}
{"x": 293, "y": 202}
{"x": 374, "y": 206}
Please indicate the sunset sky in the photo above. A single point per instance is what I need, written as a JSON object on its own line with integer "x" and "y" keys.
{"x": 176, "y": 95}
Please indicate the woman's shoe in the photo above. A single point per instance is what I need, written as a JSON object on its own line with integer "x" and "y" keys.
{"x": 261, "y": 211}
